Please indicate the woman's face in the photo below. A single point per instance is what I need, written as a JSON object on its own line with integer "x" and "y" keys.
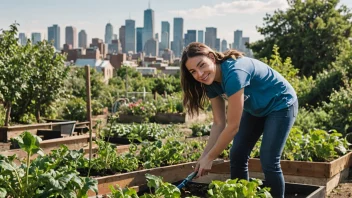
{"x": 202, "y": 68}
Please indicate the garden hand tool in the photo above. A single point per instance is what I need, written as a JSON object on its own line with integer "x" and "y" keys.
{"x": 188, "y": 178}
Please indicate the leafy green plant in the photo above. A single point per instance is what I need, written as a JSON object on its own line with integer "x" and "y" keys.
{"x": 52, "y": 175}
{"x": 76, "y": 109}
{"x": 170, "y": 104}
{"x": 238, "y": 188}
{"x": 199, "y": 129}
{"x": 316, "y": 145}
{"x": 140, "y": 132}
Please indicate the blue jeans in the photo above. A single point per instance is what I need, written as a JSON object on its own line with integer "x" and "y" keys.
{"x": 275, "y": 128}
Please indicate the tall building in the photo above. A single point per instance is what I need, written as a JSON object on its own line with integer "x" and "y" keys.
{"x": 210, "y": 37}
{"x": 54, "y": 36}
{"x": 243, "y": 44}
{"x": 82, "y": 39}
{"x": 151, "y": 47}
{"x": 148, "y": 29}
{"x": 122, "y": 33}
{"x": 114, "y": 37}
{"x": 130, "y": 35}
{"x": 178, "y": 37}
{"x": 217, "y": 45}
{"x": 109, "y": 33}
{"x": 165, "y": 35}
{"x": 71, "y": 36}
{"x": 237, "y": 40}
{"x": 224, "y": 45}
{"x": 36, "y": 37}
{"x": 201, "y": 36}
{"x": 190, "y": 37}
{"x": 139, "y": 39}
{"x": 22, "y": 39}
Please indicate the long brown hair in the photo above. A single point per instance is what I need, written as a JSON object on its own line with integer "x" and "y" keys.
{"x": 194, "y": 92}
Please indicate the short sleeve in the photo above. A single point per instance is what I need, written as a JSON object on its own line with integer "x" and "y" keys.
{"x": 235, "y": 80}
{"x": 211, "y": 93}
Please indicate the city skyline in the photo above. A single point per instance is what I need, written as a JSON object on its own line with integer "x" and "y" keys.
{"x": 197, "y": 15}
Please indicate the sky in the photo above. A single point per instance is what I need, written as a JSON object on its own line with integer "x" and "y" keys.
{"x": 92, "y": 15}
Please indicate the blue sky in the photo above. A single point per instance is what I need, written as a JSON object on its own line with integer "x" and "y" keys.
{"x": 92, "y": 15}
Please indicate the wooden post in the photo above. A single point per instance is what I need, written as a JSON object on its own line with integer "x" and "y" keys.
{"x": 89, "y": 110}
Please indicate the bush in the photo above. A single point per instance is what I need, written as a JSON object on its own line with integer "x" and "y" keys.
{"x": 76, "y": 109}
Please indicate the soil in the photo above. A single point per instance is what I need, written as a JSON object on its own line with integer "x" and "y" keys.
{"x": 344, "y": 189}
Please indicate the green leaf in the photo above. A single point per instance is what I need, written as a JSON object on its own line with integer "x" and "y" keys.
{"x": 29, "y": 143}
{"x": 3, "y": 192}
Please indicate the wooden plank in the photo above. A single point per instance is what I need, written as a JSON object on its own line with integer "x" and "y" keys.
{"x": 298, "y": 168}
{"x": 172, "y": 173}
{"x": 340, "y": 164}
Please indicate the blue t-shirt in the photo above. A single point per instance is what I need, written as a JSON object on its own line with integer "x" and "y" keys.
{"x": 265, "y": 90}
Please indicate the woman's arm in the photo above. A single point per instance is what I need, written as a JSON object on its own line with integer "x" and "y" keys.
{"x": 219, "y": 122}
{"x": 234, "y": 114}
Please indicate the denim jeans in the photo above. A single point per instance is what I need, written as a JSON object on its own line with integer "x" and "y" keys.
{"x": 275, "y": 128}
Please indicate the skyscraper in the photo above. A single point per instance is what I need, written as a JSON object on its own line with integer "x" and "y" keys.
{"x": 210, "y": 37}
{"x": 224, "y": 45}
{"x": 122, "y": 33}
{"x": 71, "y": 36}
{"x": 190, "y": 37}
{"x": 109, "y": 33}
{"x": 201, "y": 36}
{"x": 22, "y": 39}
{"x": 82, "y": 39}
{"x": 130, "y": 35}
{"x": 148, "y": 29}
{"x": 139, "y": 39}
{"x": 178, "y": 36}
{"x": 165, "y": 35}
{"x": 54, "y": 36}
{"x": 36, "y": 37}
{"x": 243, "y": 44}
{"x": 237, "y": 40}
{"x": 217, "y": 45}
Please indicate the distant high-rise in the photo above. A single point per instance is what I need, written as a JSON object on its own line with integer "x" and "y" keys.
{"x": 22, "y": 39}
{"x": 82, "y": 39}
{"x": 165, "y": 35}
{"x": 243, "y": 44}
{"x": 54, "y": 36}
{"x": 36, "y": 37}
{"x": 139, "y": 39}
{"x": 148, "y": 29}
{"x": 130, "y": 35}
{"x": 237, "y": 40}
{"x": 190, "y": 37}
{"x": 224, "y": 45}
{"x": 114, "y": 37}
{"x": 71, "y": 36}
{"x": 201, "y": 36}
{"x": 178, "y": 37}
{"x": 151, "y": 47}
{"x": 122, "y": 33}
{"x": 210, "y": 37}
{"x": 109, "y": 32}
{"x": 217, "y": 45}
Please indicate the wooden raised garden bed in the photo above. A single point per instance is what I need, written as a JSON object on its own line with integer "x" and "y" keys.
{"x": 327, "y": 174}
{"x": 291, "y": 190}
{"x": 166, "y": 118}
{"x": 170, "y": 174}
{"x": 64, "y": 128}
{"x": 125, "y": 118}
{"x": 73, "y": 143}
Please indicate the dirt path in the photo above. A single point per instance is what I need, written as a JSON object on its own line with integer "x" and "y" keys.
{"x": 343, "y": 190}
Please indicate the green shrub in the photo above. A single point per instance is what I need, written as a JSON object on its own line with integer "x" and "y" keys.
{"x": 76, "y": 109}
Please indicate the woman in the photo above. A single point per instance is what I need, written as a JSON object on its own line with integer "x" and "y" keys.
{"x": 260, "y": 101}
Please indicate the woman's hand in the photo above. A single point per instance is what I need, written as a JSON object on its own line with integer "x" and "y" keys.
{"x": 203, "y": 166}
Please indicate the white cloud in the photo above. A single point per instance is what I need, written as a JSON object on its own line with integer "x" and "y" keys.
{"x": 234, "y": 7}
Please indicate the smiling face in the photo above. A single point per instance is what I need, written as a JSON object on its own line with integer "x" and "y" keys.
{"x": 202, "y": 68}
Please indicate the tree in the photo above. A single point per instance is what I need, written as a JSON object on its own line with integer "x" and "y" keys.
{"x": 15, "y": 67}
{"x": 312, "y": 32}
{"x": 49, "y": 74}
